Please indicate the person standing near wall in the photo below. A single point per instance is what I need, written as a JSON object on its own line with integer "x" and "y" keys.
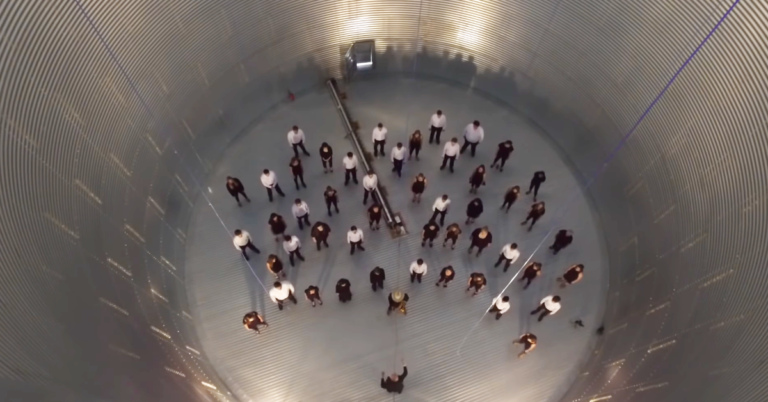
{"x": 538, "y": 178}
{"x": 331, "y": 198}
{"x": 344, "y": 289}
{"x": 476, "y": 280}
{"x": 414, "y": 145}
{"x": 350, "y": 168}
{"x": 536, "y": 212}
{"x": 440, "y": 207}
{"x": 481, "y": 238}
{"x": 474, "y": 210}
{"x": 298, "y": 172}
{"x": 418, "y": 269}
{"x": 374, "y": 216}
{"x": 473, "y": 135}
{"x": 532, "y": 271}
{"x": 312, "y": 294}
{"x": 355, "y": 239}
{"x": 292, "y": 247}
{"x": 436, "y": 126}
{"x": 326, "y": 156}
{"x": 300, "y": 211}
{"x": 275, "y": 266}
{"x": 242, "y": 241}
{"x": 320, "y": 232}
{"x": 277, "y": 226}
{"x": 394, "y": 383}
{"x": 282, "y": 291}
{"x": 418, "y": 187}
{"x": 563, "y": 239}
{"x": 500, "y": 306}
{"x": 370, "y": 181}
{"x": 377, "y": 277}
{"x": 379, "y": 139}
{"x": 269, "y": 180}
{"x": 451, "y": 151}
{"x": 510, "y": 197}
{"x": 296, "y": 140}
{"x": 509, "y": 254}
{"x": 477, "y": 179}
{"x": 235, "y": 188}
{"x": 252, "y": 320}
{"x": 447, "y": 274}
{"x": 548, "y": 306}
{"x": 502, "y": 154}
{"x": 452, "y": 234}
{"x": 398, "y": 156}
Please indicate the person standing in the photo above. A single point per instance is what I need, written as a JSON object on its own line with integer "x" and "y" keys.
{"x": 312, "y": 294}
{"x": 394, "y": 383}
{"x": 532, "y": 271}
{"x": 292, "y": 246}
{"x": 377, "y": 277}
{"x": 320, "y": 232}
{"x": 548, "y": 306}
{"x": 447, "y": 274}
{"x": 235, "y": 189}
{"x": 326, "y": 156}
{"x": 370, "y": 181}
{"x": 252, "y": 320}
{"x": 344, "y": 289}
{"x": 473, "y": 135}
{"x": 418, "y": 186}
{"x": 282, "y": 291}
{"x": 331, "y": 198}
{"x": 355, "y": 239}
{"x": 474, "y": 210}
{"x": 538, "y": 178}
{"x": 510, "y": 197}
{"x": 277, "y": 226}
{"x": 500, "y": 306}
{"x": 350, "y": 168}
{"x": 414, "y": 145}
{"x": 242, "y": 241}
{"x": 300, "y": 211}
{"x": 429, "y": 233}
{"x": 397, "y": 157}
{"x": 418, "y": 269}
{"x": 502, "y": 154}
{"x": 379, "y": 139}
{"x": 528, "y": 340}
{"x": 509, "y": 254}
{"x": 298, "y": 172}
{"x": 477, "y": 179}
{"x": 374, "y": 216}
{"x": 275, "y": 266}
{"x": 296, "y": 140}
{"x": 269, "y": 180}
{"x": 451, "y": 151}
{"x": 440, "y": 207}
{"x": 563, "y": 239}
{"x": 476, "y": 280}
{"x": 397, "y": 301}
{"x": 574, "y": 274}
{"x": 452, "y": 234}
{"x": 536, "y": 212}
{"x": 481, "y": 238}
{"x": 436, "y": 126}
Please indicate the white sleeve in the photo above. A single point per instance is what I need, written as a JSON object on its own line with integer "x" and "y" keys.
{"x": 482, "y": 135}
{"x": 434, "y": 206}
{"x": 514, "y": 258}
{"x": 505, "y": 309}
{"x": 349, "y": 239}
{"x": 445, "y": 122}
{"x": 413, "y": 265}
{"x": 294, "y": 211}
{"x": 392, "y": 154}
{"x": 373, "y": 136}
{"x": 445, "y": 148}
{"x": 234, "y": 241}
{"x": 301, "y": 135}
{"x": 361, "y": 235}
{"x": 289, "y": 138}
{"x": 285, "y": 246}
{"x": 546, "y": 299}
{"x": 272, "y": 296}
{"x": 298, "y": 242}
{"x": 425, "y": 268}
{"x": 291, "y": 288}
{"x": 307, "y": 207}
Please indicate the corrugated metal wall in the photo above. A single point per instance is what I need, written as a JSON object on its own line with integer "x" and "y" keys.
{"x": 111, "y": 112}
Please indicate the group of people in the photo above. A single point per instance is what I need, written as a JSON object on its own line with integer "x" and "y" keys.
{"x": 481, "y": 238}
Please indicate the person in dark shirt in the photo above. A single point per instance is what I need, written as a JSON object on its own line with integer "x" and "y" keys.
{"x": 397, "y": 301}
{"x": 252, "y": 320}
{"x": 331, "y": 198}
{"x": 275, "y": 266}
{"x": 394, "y": 383}
{"x": 298, "y": 172}
{"x": 476, "y": 280}
{"x": 574, "y": 274}
{"x": 477, "y": 179}
{"x": 312, "y": 294}
{"x": 536, "y": 212}
{"x": 235, "y": 188}
{"x": 563, "y": 239}
{"x": 326, "y": 156}
{"x": 344, "y": 289}
{"x": 320, "y": 232}
{"x": 474, "y": 209}
{"x": 452, "y": 234}
{"x": 510, "y": 197}
{"x": 538, "y": 178}
{"x": 502, "y": 154}
{"x": 377, "y": 278}
{"x": 374, "y": 216}
{"x": 532, "y": 271}
{"x": 429, "y": 233}
{"x": 418, "y": 186}
{"x": 277, "y": 225}
{"x": 446, "y": 275}
{"x": 481, "y": 238}
{"x": 414, "y": 144}
{"x": 529, "y": 340}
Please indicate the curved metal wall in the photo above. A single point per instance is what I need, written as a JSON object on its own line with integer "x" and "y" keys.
{"x": 111, "y": 112}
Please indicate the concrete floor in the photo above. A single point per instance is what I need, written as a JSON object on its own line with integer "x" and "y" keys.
{"x": 337, "y": 352}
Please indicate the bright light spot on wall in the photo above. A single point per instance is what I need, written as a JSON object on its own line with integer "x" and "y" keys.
{"x": 211, "y": 386}
{"x": 469, "y": 34}
{"x": 359, "y": 25}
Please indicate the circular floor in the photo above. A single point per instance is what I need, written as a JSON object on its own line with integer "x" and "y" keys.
{"x": 337, "y": 352}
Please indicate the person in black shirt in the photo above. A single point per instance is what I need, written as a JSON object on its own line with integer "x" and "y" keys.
{"x": 374, "y": 216}
{"x": 563, "y": 239}
{"x": 298, "y": 172}
{"x": 275, "y": 266}
{"x": 312, "y": 294}
{"x": 235, "y": 188}
{"x": 474, "y": 209}
{"x": 574, "y": 274}
{"x": 344, "y": 289}
{"x": 481, "y": 238}
{"x": 532, "y": 271}
{"x": 536, "y": 212}
{"x": 446, "y": 275}
{"x": 452, "y": 234}
{"x": 477, "y": 179}
{"x": 377, "y": 278}
{"x": 429, "y": 233}
{"x": 510, "y": 197}
{"x": 476, "y": 280}
{"x": 538, "y": 178}
{"x": 414, "y": 144}
{"x": 277, "y": 225}
{"x": 418, "y": 186}
{"x": 502, "y": 154}
{"x": 320, "y": 232}
{"x": 394, "y": 383}
{"x": 527, "y": 339}
{"x": 326, "y": 155}
{"x": 331, "y": 199}
{"x": 397, "y": 301}
{"x": 252, "y": 320}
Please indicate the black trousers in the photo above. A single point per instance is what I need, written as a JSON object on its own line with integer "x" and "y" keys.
{"x": 345, "y": 296}
{"x": 315, "y": 298}
{"x": 558, "y": 246}
{"x": 350, "y": 174}
{"x": 323, "y": 241}
{"x": 503, "y": 259}
{"x": 476, "y": 286}
{"x": 437, "y": 212}
{"x": 237, "y": 196}
{"x": 335, "y": 205}
{"x": 296, "y": 149}
{"x": 417, "y": 277}
{"x": 527, "y": 277}
{"x": 444, "y": 281}
{"x": 447, "y": 158}
{"x": 296, "y": 179}
{"x": 414, "y": 149}
{"x": 467, "y": 144}
{"x": 479, "y": 249}
{"x": 327, "y": 163}
{"x": 278, "y": 189}
{"x": 376, "y": 221}
{"x": 398, "y": 167}
{"x": 297, "y": 253}
{"x": 290, "y": 297}
{"x": 366, "y": 194}
{"x": 544, "y": 311}
{"x": 250, "y": 246}
{"x": 507, "y": 204}
{"x": 354, "y": 245}
{"x": 425, "y": 240}
{"x": 534, "y": 187}
{"x": 379, "y": 284}
{"x": 496, "y": 310}
{"x": 452, "y": 239}
{"x": 532, "y": 217}
{"x": 305, "y": 219}
{"x": 378, "y": 147}
{"x": 500, "y": 159}
{"x": 434, "y": 133}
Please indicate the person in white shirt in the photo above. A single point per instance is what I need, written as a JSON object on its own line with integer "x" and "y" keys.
{"x": 418, "y": 269}
{"x": 292, "y": 246}
{"x": 242, "y": 241}
{"x": 436, "y": 126}
{"x": 269, "y": 180}
{"x": 548, "y": 306}
{"x": 500, "y": 306}
{"x": 369, "y": 185}
{"x": 440, "y": 207}
{"x": 281, "y": 292}
{"x": 379, "y": 138}
{"x": 398, "y": 155}
{"x": 473, "y": 135}
{"x": 350, "y": 168}
{"x": 509, "y": 254}
{"x": 355, "y": 239}
{"x": 296, "y": 140}
{"x": 300, "y": 211}
{"x": 451, "y": 151}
